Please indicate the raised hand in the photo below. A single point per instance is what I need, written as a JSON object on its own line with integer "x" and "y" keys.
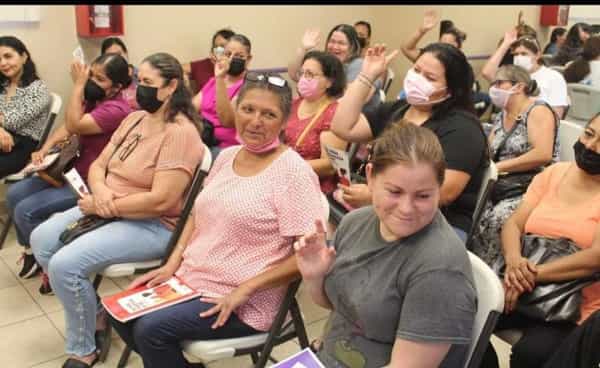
{"x": 376, "y": 61}
{"x": 222, "y": 66}
{"x": 79, "y": 73}
{"x": 430, "y": 20}
{"x": 313, "y": 256}
{"x": 311, "y": 38}
{"x": 510, "y": 36}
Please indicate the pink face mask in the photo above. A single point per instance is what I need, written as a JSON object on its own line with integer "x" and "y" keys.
{"x": 308, "y": 88}
{"x": 259, "y": 149}
{"x": 418, "y": 89}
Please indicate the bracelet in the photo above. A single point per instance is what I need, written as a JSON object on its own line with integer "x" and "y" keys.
{"x": 364, "y": 82}
{"x": 367, "y": 78}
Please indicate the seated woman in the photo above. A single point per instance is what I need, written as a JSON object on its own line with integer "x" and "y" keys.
{"x": 523, "y": 140}
{"x": 24, "y": 106}
{"x": 237, "y": 244}
{"x": 394, "y": 254}
{"x": 307, "y": 130}
{"x": 216, "y": 99}
{"x": 439, "y": 98}
{"x": 562, "y": 202}
{"x": 115, "y": 45}
{"x": 573, "y": 46}
{"x": 201, "y": 71}
{"x": 586, "y": 68}
{"x": 342, "y": 42}
{"x": 450, "y": 35}
{"x": 557, "y": 39}
{"x": 93, "y": 113}
{"x": 527, "y": 54}
{"x": 138, "y": 180}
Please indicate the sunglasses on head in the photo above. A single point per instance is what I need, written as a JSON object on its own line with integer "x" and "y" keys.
{"x": 266, "y": 78}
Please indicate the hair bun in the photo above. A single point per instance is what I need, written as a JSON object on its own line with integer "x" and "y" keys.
{"x": 532, "y": 88}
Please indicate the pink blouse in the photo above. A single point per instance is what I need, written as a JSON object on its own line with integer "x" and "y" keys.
{"x": 208, "y": 110}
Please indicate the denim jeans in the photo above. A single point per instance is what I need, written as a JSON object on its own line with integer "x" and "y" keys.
{"x": 70, "y": 266}
{"x": 157, "y": 335}
{"x": 32, "y": 200}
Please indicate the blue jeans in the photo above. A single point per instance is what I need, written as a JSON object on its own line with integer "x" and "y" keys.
{"x": 70, "y": 267}
{"x": 32, "y": 200}
{"x": 157, "y": 335}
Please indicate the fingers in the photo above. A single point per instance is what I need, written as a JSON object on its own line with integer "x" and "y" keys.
{"x": 320, "y": 227}
{"x": 159, "y": 278}
{"x": 222, "y": 317}
{"x": 141, "y": 280}
{"x": 391, "y": 56}
{"x": 212, "y": 311}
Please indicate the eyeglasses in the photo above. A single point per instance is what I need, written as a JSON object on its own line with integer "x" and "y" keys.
{"x": 262, "y": 78}
{"x": 530, "y": 39}
{"x": 127, "y": 150}
{"x": 308, "y": 75}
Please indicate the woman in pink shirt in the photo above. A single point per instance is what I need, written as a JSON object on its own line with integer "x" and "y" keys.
{"x": 237, "y": 244}
{"x": 563, "y": 201}
{"x": 217, "y": 99}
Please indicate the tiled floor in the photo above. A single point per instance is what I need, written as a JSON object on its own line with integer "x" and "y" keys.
{"x": 32, "y": 325}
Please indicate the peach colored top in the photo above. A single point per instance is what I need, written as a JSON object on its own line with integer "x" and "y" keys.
{"x": 553, "y": 218}
{"x": 246, "y": 225}
{"x": 177, "y": 147}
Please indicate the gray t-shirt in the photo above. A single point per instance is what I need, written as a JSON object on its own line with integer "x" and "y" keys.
{"x": 419, "y": 288}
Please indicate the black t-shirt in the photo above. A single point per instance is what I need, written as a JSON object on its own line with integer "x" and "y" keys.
{"x": 464, "y": 145}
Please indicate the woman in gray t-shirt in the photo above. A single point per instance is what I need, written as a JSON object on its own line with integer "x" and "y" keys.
{"x": 398, "y": 278}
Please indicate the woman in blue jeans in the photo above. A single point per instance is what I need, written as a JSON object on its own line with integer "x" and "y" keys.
{"x": 139, "y": 181}
{"x": 94, "y": 111}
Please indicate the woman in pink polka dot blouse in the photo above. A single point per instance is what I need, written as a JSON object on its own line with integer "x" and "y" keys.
{"x": 237, "y": 244}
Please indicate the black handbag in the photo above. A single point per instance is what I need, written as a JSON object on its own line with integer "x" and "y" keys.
{"x": 208, "y": 134}
{"x": 69, "y": 152}
{"x": 551, "y": 302}
{"x": 90, "y": 222}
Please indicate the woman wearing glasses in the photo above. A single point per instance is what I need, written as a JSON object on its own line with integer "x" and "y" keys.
{"x": 342, "y": 42}
{"x": 216, "y": 99}
{"x": 139, "y": 181}
{"x": 527, "y": 54}
{"x": 236, "y": 247}
{"x": 94, "y": 111}
{"x": 321, "y": 81}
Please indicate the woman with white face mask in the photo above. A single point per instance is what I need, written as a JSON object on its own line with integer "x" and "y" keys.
{"x": 527, "y": 54}
{"x": 522, "y": 141}
{"x": 439, "y": 94}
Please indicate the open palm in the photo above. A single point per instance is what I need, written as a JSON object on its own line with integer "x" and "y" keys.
{"x": 311, "y": 38}
{"x": 429, "y": 20}
{"x": 376, "y": 61}
{"x": 313, "y": 256}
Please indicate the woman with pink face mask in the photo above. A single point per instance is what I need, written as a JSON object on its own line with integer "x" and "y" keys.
{"x": 321, "y": 81}
{"x": 439, "y": 97}
{"x": 527, "y": 54}
{"x": 522, "y": 142}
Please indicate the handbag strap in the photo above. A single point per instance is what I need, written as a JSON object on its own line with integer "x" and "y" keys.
{"x": 503, "y": 141}
{"x": 121, "y": 143}
{"x": 312, "y": 122}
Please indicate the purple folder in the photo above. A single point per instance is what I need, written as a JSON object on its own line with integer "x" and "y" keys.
{"x": 303, "y": 359}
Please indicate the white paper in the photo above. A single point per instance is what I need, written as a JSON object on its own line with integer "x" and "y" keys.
{"x": 101, "y": 16}
{"x": 76, "y": 182}
{"x": 78, "y": 55}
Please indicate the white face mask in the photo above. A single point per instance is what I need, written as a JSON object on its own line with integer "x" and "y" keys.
{"x": 500, "y": 96}
{"x": 524, "y": 62}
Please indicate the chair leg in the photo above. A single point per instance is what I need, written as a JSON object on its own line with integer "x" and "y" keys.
{"x": 254, "y": 357}
{"x": 299, "y": 324}
{"x": 5, "y": 230}
{"x": 124, "y": 357}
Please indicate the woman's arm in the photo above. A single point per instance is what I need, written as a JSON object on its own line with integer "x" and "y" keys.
{"x": 322, "y": 166}
{"x": 541, "y": 129}
{"x": 491, "y": 66}
{"x": 310, "y": 40}
{"x": 581, "y": 264}
{"x": 76, "y": 122}
{"x": 455, "y": 182}
{"x": 409, "y": 48}
{"x": 411, "y": 354}
{"x": 225, "y": 108}
{"x": 14, "y": 115}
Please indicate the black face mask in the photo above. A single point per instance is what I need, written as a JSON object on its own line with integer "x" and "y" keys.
{"x": 93, "y": 92}
{"x": 586, "y": 159}
{"x": 146, "y": 98}
{"x": 362, "y": 42}
{"x": 236, "y": 67}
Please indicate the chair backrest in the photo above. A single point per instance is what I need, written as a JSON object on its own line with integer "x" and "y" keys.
{"x": 568, "y": 133}
{"x": 194, "y": 188}
{"x": 55, "y": 106}
{"x": 585, "y": 101}
{"x": 382, "y": 95}
{"x": 390, "y": 78}
{"x": 490, "y": 176}
{"x": 490, "y": 304}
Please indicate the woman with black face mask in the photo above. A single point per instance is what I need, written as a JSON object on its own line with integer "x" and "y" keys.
{"x": 561, "y": 202}
{"x": 94, "y": 111}
{"x": 217, "y": 99}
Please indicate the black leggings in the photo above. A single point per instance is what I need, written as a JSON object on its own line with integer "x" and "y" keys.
{"x": 550, "y": 345}
{"x": 14, "y": 161}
